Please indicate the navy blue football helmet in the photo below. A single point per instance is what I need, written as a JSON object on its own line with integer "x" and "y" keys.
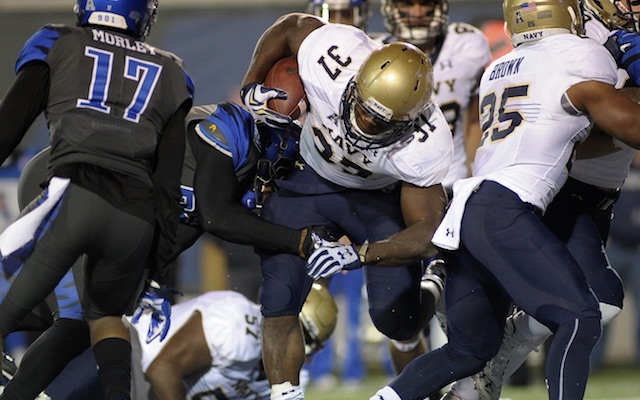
{"x": 135, "y": 16}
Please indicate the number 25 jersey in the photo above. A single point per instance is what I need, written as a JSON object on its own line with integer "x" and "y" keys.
{"x": 529, "y": 125}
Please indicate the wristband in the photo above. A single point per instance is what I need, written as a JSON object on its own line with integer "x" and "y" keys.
{"x": 362, "y": 253}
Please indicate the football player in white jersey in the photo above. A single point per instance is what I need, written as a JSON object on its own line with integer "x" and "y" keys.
{"x": 580, "y": 215}
{"x": 213, "y": 347}
{"x": 350, "y": 12}
{"x": 212, "y": 350}
{"x": 375, "y": 149}
{"x": 537, "y": 103}
{"x": 459, "y": 52}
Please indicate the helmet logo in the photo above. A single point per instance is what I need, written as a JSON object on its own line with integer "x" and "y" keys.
{"x": 519, "y": 18}
{"x": 378, "y": 108}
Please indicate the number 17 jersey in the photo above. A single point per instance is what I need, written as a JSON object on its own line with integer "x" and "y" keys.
{"x": 110, "y": 96}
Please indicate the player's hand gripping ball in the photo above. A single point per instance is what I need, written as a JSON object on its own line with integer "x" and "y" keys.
{"x": 284, "y": 76}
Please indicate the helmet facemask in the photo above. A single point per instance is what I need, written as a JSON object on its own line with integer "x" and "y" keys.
{"x": 382, "y": 130}
{"x": 352, "y": 12}
{"x": 391, "y": 92}
{"x": 416, "y": 30}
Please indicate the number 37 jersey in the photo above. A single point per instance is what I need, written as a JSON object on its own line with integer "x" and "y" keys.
{"x": 110, "y": 96}
{"x": 328, "y": 59}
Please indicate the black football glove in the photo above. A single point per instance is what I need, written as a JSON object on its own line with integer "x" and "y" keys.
{"x": 313, "y": 237}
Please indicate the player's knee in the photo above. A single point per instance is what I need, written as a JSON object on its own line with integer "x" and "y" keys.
{"x": 388, "y": 323}
{"x": 467, "y": 362}
{"x": 279, "y": 298}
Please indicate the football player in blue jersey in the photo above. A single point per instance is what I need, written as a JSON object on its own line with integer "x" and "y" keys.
{"x": 229, "y": 164}
{"x": 115, "y": 108}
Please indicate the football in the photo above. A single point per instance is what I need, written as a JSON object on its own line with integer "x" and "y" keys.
{"x": 284, "y": 76}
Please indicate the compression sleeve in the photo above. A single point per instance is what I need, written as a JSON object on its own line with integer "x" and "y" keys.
{"x": 166, "y": 183}
{"x": 24, "y": 101}
{"x": 221, "y": 213}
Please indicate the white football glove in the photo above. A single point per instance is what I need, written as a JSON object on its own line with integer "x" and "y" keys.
{"x": 255, "y": 97}
{"x": 330, "y": 258}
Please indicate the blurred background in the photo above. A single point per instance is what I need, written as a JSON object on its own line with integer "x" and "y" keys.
{"x": 215, "y": 38}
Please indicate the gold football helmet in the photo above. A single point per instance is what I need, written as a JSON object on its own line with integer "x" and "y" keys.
{"x": 415, "y": 29}
{"x": 351, "y": 12}
{"x": 533, "y": 20}
{"x": 319, "y": 317}
{"x": 384, "y": 101}
{"x": 614, "y": 14}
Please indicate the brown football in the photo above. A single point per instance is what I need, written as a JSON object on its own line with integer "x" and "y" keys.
{"x": 284, "y": 76}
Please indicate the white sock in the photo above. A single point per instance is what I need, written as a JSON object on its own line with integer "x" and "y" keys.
{"x": 386, "y": 393}
{"x": 609, "y": 312}
{"x": 406, "y": 347}
{"x": 529, "y": 327}
{"x": 286, "y": 391}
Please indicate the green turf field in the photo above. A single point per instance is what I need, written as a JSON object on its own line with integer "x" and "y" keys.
{"x": 611, "y": 383}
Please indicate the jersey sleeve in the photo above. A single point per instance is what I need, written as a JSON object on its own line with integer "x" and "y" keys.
{"x": 596, "y": 64}
{"x": 425, "y": 161}
{"x": 473, "y": 48}
{"x": 38, "y": 46}
{"x": 229, "y": 130}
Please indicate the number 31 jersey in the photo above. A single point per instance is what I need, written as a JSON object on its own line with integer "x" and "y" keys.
{"x": 327, "y": 60}
{"x": 109, "y": 98}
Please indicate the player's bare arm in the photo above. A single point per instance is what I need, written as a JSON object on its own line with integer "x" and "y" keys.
{"x": 612, "y": 110}
{"x": 282, "y": 39}
{"x": 185, "y": 354}
{"x": 422, "y": 209}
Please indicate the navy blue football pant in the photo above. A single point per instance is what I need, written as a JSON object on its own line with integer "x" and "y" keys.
{"x": 576, "y": 218}
{"x": 508, "y": 254}
{"x": 306, "y": 199}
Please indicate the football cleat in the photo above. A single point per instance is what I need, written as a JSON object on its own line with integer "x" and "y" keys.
{"x": 434, "y": 277}
{"x": 449, "y": 396}
{"x": 8, "y": 367}
{"x": 489, "y": 380}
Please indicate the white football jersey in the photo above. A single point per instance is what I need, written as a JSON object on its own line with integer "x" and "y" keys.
{"x": 458, "y": 65}
{"x": 608, "y": 171}
{"x": 232, "y": 328}
{"x": 456, "y": 72}
{"x": 529, "y": 126}
{"x": 327, "y": 60}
